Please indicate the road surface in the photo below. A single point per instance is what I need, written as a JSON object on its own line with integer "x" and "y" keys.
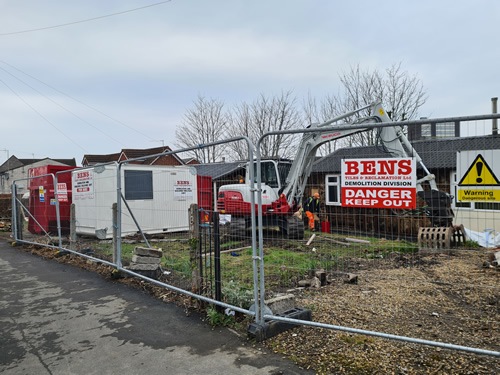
{"x": 58, "y": 319}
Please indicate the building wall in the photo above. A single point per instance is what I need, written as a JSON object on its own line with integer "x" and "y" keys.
{"x": 22, "y": 173}
{"x": 167, "y": 160}
{"x": 373, "y": 221}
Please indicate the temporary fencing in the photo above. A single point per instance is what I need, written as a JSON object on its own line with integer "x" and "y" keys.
{"x": 362, "y": 270}
{"x": 369, "y": 271}
{"x": 119, "y": 207}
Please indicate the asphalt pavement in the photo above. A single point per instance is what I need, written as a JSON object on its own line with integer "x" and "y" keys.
{"x": 59, "y": 319}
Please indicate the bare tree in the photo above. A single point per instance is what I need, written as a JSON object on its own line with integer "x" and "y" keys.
{"x": 205, "y": 122}
{"x": 265, "y": 115}
{"x": 241, "y": 124}
{"x": 327, "y": 109}
{"x": 401, "y": 94}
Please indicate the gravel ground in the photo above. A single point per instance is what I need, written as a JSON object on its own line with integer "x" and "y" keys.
{"x": 445, "y": 298}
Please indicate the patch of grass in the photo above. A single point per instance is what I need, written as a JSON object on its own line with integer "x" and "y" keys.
{"x": 356, "y": 339}
{"x": 470, "y": 244}
{"x": 230, "y": 245}
{"x": 177, "y": 261}
{"x": 106, "y": 249}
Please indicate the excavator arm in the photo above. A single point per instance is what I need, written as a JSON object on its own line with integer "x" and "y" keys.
{"x": 391, "y": 140}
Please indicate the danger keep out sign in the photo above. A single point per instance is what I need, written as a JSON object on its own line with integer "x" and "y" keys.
{"x": 380, "y": 183}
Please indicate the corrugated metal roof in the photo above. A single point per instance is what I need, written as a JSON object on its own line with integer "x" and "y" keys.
{"x": 435, "y": 153}
{"x": 219, "y": 170}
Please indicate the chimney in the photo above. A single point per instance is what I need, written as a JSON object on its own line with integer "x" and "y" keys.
{"x": 494, "y": 111}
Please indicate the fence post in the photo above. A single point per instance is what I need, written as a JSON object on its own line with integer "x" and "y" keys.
{"x": 72, "y": 227}
{"x": 114, "y": 209}
{"x": 218, "y": 274}
{"x": 194, "y": 242}
{"x": 17, "y": 215}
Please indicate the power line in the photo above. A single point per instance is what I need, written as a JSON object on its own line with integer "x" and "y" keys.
{"x": 86, "y": 20}
{"x": 43, "y": 117}
{"x": 64, "y": 108}
{"x": 79, "y": 101}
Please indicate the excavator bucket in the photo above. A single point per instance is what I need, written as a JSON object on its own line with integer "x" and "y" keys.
{"x": 441, "y": 238}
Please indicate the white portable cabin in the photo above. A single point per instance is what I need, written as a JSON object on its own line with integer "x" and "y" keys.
{"x": 158, "y": 196}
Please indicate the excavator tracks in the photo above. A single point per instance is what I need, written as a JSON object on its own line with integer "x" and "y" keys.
{"x": 295, "y": 228}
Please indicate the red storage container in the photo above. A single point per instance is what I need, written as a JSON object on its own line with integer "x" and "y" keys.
{"x": 205, "y": 197}
{"x": 42, "y": 200}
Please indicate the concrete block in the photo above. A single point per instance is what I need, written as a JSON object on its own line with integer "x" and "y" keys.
{"x": 270, "y": 328}
{"x": 142, "y": 267}
{"x": 281, "y": 303}
{"x": 147, "y": 252}
{"x": 145, "y": 260}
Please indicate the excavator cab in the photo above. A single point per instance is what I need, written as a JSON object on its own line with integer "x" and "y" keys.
{"x": 273, "y": 172}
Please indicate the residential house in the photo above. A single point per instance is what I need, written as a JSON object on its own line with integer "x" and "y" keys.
{"x": 128, "y": 154}
{"x": 190, "y": 161}
{"x": 17, "y": 169}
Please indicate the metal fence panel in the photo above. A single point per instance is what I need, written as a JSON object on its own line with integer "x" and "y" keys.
{"x": 362, "y": 270}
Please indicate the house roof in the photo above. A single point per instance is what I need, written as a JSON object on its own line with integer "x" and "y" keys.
{"x": 435, "y": 153}
{"x": 94, "y": 159}
{"x": 133, "y": 153}
{"x": 130, "y": 153}
{"x": 218, "y": 170}
{"x": 13, "y": 162}
{"x": 190, "y": 161}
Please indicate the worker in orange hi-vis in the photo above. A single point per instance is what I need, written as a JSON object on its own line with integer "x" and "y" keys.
{"x": 312, "y": 208}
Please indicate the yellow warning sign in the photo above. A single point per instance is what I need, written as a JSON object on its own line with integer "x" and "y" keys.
{"x": 479, "y": 174}
{"x": 473, "y": 195}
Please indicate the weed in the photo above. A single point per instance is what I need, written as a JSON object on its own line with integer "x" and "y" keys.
{"x": 218, "y": 319}
{"x": 235, "y": 294}
{"x": 356, "y": 339}
{"x": 470, "y": 244}
{"x": 193, "y": 243}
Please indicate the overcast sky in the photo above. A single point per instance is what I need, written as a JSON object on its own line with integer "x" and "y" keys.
{"x": 125, "y": 81}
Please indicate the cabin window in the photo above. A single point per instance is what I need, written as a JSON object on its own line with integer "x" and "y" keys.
{"x": 138, "y": 184}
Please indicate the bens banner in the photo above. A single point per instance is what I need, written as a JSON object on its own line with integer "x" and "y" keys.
{"x": 379, "y": 183}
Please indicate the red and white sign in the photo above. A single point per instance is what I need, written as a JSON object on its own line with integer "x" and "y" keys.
{"x": 83, "y": 185}
{"x": 183, "y": 190}
{"x": 62, "y": 192}
{"x": 379, "y": 183}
